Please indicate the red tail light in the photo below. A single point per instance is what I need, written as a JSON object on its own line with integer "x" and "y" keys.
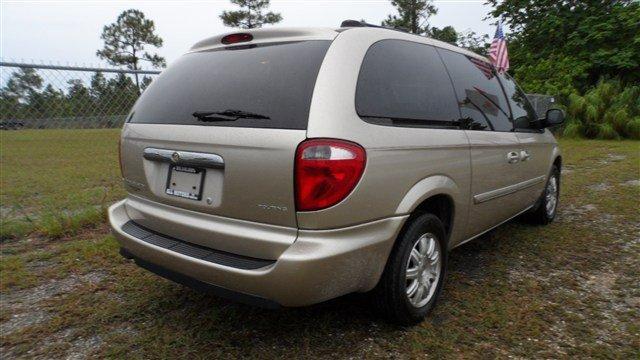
{"x": 326, "y": 171}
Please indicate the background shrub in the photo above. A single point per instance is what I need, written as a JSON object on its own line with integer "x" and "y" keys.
{"x": 607, "y": 111}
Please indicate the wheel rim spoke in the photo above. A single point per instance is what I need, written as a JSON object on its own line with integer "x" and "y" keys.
{"x": 411, "y": 289}
{"x": 419, "y": 294}
{"x": 416, "y": 256}
{"x": 413, "y": 273}
{"x": 432, "y": 247}
{"x": 423, "y": 246}
{"x": 435, "y": 257}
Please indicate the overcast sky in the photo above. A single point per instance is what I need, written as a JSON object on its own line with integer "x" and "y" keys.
{"x": 69, "y": 31}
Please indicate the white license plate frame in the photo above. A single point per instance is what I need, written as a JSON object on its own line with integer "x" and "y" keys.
{"x": 185, "y": 182}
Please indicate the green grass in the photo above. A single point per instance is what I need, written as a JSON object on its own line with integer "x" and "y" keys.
{"x": 561, "y": 291}
{"x": 56, "y": 181}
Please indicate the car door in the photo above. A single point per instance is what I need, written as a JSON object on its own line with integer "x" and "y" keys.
{"x": 495, "y": 147}
{"x": 536, "y": 145}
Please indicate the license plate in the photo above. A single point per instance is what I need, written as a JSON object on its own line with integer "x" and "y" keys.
{"x": 185, "y": 182}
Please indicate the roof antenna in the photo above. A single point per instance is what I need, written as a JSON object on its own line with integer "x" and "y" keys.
{"x": 352, "y": 23}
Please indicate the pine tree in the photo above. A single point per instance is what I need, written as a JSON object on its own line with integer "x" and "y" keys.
{"x": 250, "y": 15}
{"x": 125, "y": 42}
{"x": 446, "y": 34}
{"x": 413, "y": 15}
{"x": 22, "y": 83}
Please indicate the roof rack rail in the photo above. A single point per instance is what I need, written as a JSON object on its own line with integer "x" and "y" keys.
{"x": 356, "y": 23}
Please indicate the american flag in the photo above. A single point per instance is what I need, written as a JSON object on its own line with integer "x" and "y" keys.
{"x": 498, "y": 51}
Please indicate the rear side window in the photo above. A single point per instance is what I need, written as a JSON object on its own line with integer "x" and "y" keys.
{"x": 521, "y": 110}
{"x": 272, "y": 80}
{"x": 482, "y": 103}
{"x": 405, "y": 83}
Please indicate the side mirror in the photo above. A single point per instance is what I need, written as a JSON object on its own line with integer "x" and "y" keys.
{"x": 522, "y": 122}
{"x": 554, "y": 117}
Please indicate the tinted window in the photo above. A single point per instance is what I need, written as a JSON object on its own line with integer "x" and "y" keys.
{"x": 276, "y": 80}
{"x": 405, "y": 80}
{"x": 521, "y": 110}
{"x": 482, "y": 102}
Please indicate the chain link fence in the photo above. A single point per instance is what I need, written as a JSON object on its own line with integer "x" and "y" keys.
{"x": 64, "y": 97}
{"x": 36, "y": 96}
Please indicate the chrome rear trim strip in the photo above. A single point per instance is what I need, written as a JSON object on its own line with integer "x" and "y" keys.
{"x": 186, "y": 158}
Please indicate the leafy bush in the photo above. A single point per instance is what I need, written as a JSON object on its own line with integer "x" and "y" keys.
{"x": 555, "y": 46}
{"x": 559, "y": 77}
{"x": 607, "y": 111}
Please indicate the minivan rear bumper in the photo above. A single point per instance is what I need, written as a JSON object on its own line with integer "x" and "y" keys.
{"x": 319, "y": 265}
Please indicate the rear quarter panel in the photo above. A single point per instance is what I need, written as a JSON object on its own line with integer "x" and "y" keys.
{"x": 404, "y": 165}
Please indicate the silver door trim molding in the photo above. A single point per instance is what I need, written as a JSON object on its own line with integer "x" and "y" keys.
{"x": 185, "y": 158}
{"x": 494, "y": 194}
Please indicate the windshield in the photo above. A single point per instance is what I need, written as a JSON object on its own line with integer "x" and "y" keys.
{"x": 274, "y": 81}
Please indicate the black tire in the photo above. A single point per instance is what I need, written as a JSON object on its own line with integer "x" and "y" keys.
{"x": 390, "y": 294}
{"x": 539, "y": 214}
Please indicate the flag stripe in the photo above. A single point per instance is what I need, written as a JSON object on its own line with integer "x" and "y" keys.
{"x": 498, "y": 53}
{"x": 483, "y": 66}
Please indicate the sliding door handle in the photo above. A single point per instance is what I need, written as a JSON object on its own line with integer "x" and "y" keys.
{"x": 513, "y": 157}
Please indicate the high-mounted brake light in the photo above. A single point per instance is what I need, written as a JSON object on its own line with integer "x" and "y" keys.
{"x": 236, "y": 38}
{"x": 326, "y": 171}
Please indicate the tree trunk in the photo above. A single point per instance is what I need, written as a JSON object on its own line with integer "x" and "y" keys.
{"x": 137, "y": 83}
{"x": 414, "y": 26}
{"x": 135, "y": 67}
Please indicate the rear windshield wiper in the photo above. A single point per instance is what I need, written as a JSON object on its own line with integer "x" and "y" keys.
{"x": 227, "y": 115}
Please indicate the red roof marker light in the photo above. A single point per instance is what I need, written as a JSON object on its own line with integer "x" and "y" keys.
{"x": 236, "y": 38}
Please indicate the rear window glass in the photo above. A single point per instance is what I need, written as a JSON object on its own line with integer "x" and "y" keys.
{"x": 274, "y": 80}
{"x": 405, "y": 80}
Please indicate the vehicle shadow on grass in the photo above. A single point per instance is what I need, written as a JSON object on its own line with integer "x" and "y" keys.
{"x": 347, "y": 325}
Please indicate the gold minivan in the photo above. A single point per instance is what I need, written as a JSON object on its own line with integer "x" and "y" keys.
{"x": 286, "y": 167}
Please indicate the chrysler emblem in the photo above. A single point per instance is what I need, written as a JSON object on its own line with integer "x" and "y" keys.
{"x": 175, "y": 157}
